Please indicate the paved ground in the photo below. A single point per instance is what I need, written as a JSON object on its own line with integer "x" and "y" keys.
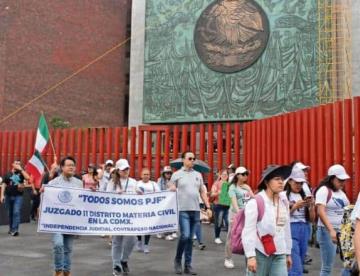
{"x": 30, "y": 254}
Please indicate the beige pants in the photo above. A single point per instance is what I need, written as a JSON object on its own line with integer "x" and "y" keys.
{"x": 228, "y": 252}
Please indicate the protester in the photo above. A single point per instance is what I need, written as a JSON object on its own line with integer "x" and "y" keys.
{"x": 203, "y": 217}
{"x": 231, "y": 171}
{"x": 188, "y": 183}
{"x": 122, "y": 246}
{"x": 221, "y": 204}
{"x": 355, "y": 217}
{"x": 35, "y": 197}
{"x": 302, "y": 211}
{"x": 163, "y": 186}
{"x": 240, "y": 193}
{"x": 144, "y": 186}
{"x": 267, "y": 243}
{"x": 330, "y": 201}
{"x": 90, "y": 179}
{"x": 307, "y": 190}
{"x": 104, "y": 174}
{"x": 12, "y": 194}
{"x": 63, "y": 243}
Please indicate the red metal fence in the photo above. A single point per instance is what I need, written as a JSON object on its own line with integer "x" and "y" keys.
{"x": 319, "y": 136}
{"x": 146, "y": 146}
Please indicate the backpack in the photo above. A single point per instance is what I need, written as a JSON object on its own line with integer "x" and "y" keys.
{"x": 224, "y": 198}
{"x": 345, "y": 238}
{"x": 239, "y": 223}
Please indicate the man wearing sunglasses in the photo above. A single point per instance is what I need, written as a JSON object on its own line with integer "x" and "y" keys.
{"x": 189, "y": 185}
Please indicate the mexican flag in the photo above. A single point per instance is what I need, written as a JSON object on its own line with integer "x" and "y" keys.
{"x": 36, "y": 165}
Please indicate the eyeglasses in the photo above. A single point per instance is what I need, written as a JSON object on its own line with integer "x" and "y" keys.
{"x": 191, "y": 158}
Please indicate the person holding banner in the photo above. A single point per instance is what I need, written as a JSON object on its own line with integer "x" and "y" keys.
{"x": 189, "y": 185}
{"x": 145, "y": 185}
{"x": 12, "y": 194}
{"x": 63, "y": 243}
{"x": 122, "y": 246}
{"x": 163, "y": 186}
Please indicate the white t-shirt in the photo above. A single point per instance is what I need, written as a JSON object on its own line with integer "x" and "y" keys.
{"x": 299, "y": 214}
{"x": 355, "y": 214}
{"x": 335, "y": 206}
{"x": 128, "y": 185}
{"x": 148, "y": 187}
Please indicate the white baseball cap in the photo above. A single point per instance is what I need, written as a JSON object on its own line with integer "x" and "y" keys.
{"x": 109, "y": 162}
{"x": 167, "y": 169}
{"x": 301, "y": 166}
{"x": 122, "y": 164}
{"x": 338, "y": 171}
{"x": 241, "y": 170}
{"x": 297, "y": 175}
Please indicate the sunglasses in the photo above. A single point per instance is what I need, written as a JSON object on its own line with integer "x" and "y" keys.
{"x": 168, "y": 172}
{"x": 243, "y": 174}
{"x": 191, "y": 158}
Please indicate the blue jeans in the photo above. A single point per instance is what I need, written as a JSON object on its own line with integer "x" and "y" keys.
{"x": 327, "y": 250}
{"x": 14, "y": 204}
{"x": 300, "y": 236}
{"x": 274, "y": 265}
{"x": 188, "y": 222}
{"x": 221, "y": 214}
{"x": 198, "y": 233}
{"x": 62, "y": 247}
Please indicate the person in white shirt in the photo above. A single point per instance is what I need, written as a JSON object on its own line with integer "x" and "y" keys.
{"x": 163, "y": 186}
{"x": 104, "y": 174}
{"x": 330, "y": 201}
{"x": 121, "y": 246}
{"x": 302, "y": 211}
{"x": 267, "y": 243}
{"x": 355, "y": 217}
{"x": 144, "y": 186}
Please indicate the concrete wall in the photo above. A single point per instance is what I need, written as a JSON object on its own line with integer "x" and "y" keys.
{"x": 43, "y": 42}
{"x": 137, "y": 62}
{"x": 355, "y": 47}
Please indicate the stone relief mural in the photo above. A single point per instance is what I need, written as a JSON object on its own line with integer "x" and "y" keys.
{"x": 228, "y": 59}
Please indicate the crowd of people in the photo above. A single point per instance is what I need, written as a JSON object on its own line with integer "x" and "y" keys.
{"x": 279, "y": 214}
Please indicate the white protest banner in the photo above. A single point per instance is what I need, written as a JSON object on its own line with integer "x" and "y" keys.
{"x": 83, "y": 212}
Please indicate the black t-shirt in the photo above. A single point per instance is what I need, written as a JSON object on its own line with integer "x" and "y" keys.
{"x": 12, "y": 180}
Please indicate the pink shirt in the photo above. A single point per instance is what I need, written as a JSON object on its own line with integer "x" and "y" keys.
{"x": 89, "y": 181}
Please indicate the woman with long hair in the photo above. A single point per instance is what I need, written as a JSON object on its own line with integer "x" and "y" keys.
{"x": 221, "y": 209}
{"x": 267, "y": 242}
{"x": 302, "y": 212}
{"x": 330, "y": 201}
{"x": 239, "y": 193}
{"x": 90, "y": 179}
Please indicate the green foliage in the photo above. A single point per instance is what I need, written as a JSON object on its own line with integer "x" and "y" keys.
{"x": 58, "y": 122}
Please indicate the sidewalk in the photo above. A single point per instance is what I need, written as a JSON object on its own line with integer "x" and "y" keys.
{"x": 30, "y": 254}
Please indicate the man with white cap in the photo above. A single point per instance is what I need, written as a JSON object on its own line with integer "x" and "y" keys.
{"x": 122, "y": 246}
{"x": 330, "y": 201}
{"x": 104, "y": 175}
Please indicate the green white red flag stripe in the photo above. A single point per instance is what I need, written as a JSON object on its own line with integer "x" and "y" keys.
{"x": 36, "y": 165}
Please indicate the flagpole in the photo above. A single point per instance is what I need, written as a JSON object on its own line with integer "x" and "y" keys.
{"x": 51, "y": 142}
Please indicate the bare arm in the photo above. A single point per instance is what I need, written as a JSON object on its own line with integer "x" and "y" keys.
{"x": 321, "y": 209}
{"x": 2, "y": 197}
{"x": 235, "y": 204}
{"x": 204, "y": 197}
{"x": 357, "y": 240}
